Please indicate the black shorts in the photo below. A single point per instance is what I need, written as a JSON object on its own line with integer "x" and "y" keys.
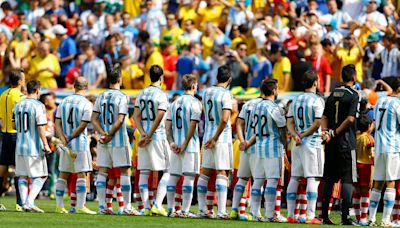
{"x": 7, "y": 153}
{"x": 339, "y": 164}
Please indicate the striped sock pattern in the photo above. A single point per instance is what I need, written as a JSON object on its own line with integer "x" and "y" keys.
{"x": 120, "y": 198}
{"x": 364, "y": 206}
{"x": 109, "y": 196}
{"x": 356, "y": 205}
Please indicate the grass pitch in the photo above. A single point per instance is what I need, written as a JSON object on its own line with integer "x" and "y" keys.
{"x": 11, "y": 218}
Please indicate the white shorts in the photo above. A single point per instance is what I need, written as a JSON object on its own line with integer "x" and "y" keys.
{"x": 186, "y": 163}
{"x": 31, "y": 166}
{"x": 110, "y": 157}
{"x": 268, "y": 168}
{"x": 386, "y": 167}
{"x": 82, "y": 163}
{"x": 218, "y": 158}
{"x": 307, "y": 161}
{"x": 155, "y": 156}
{"x": 248, "y": 165}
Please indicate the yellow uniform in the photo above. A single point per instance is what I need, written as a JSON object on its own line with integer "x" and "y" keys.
{"x": 236, "y": 154}
{"x": 21, "y": 48}
{"x": 154, "y": 59}
{"x": 351, "y": 56}
{"x": 210, "y": 14}
{"x": 188, "y": 13}
{"x": 171, "y": 34}
{"x": 8, "y": 99}
{"x": 46, "y": 78}
{"x": 207, "y": 43}
{"x": 281, "y": 68}
{"x": 365, "y": 154}
{"x": 132, "y": 7}
{"x": 129, "y": 75}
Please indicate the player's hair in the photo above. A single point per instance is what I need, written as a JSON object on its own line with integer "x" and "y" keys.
{"x": 389, "y": 37}
{"x": 224, "y": 74}
{"x": 309, "y": 78}
{"x": 15, "y": 76}
{"x": 363, "y": 123}
{"x": 42, "y": 97}
{"x": 155, "y": 73}
{"x": 32, "y": 86}
{"x": 80, "y": 83}
{"x": 348, "y": 73}
{"x": 188, "y": 80}
{"x": 268, "y": 86}
{"x": 114, "y": 74}
{"x": 395, "y": 84}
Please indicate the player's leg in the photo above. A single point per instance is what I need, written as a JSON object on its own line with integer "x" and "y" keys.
{"x": 23, "y": 188}
{"x": 37, "y": 170}
{"x": 356, "y": 199}
{"x": 61, "y": 185}
{"x": 171, "y": 189}
{"x": 256, "y": 194}
{"x": 208, "y": 169}
{"x": 270, "y": 195}
{"x": 291, "y": 197}
{"x": 312, "y": 195}
{"x": 392, "y": 174}
{"x": 120, "y": 196}
{"x": 223, "y": 163}
{"x": 109, "y": 191}
{"x": 187, "y": 194}
{"x": 244, "y": 173}
{"x": 380, "y": 162}
{"x": 126, "y": 189}
{"x": 36, "y": 186}
{"x": 104, "y": 162}
{"x": 144, "y": 189}
{"x": 396, "y": 207}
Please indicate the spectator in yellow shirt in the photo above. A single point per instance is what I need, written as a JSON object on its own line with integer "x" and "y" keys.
{"x": 351, "y": 53}
{"x": 188, "y": 12}
{"x": 211, "y": 13}
{"x": 45, "y": 66}
{"x": 282, "y": 67}
{"x": 132, "y": 75}
{"x": 22, "y": 46}
{"x": 172, "y": 31}
{"x": 153, "y": 57}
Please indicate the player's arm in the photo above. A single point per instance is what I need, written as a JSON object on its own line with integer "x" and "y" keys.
{"x": 59, "y": 131}
{"x": 283, "y": 136}
{"x": 314, "y": 127}
{"x": 42, "y": 135}
{"x": 226, "y": 113}
{"x": 191, "y": 131}
{"x": 239, "y": 129}
{"x": 41, "y": 121}
{"x": 117, "y": 125}
{"x": 156, "y": 123}
{"x": 137, "y": 116}
{"x": 168, "y": 129}
{"x": 292, "y": 129}
{"x": 96, "y": 123}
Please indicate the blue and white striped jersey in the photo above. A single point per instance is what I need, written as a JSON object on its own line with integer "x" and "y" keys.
{"x": 187, "y": 108}
{"x": 268, "y": 117}
{"x": 28, "y": 114}
{"x": 72, "y": 111}
{"x": 215, "y": 100}
{"x": 305, "y": 109}
{"x": 150, "y": 101}
{"x": 91, "y": 69}
{"x": 387, "y": 128}
{"x": 110, "y": 104}
{"x": 390, "y": 60}
{"x": 246, "y": 114}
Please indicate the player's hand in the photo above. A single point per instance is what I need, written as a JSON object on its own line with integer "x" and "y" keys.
{"x": 327, "y": 135}
{"x": 146, "y": 141}
{"x": 174, "y": 148}
{"x": 182, "y": 148}
{"x": 243, "y": 145}
{"x": 105, "y": 138}
{"x": 64, "y": 140}
{"x": 297, "y": 139}
{"x": 142, "y": 140}
{"x": 47, "y": 149}
{"x": 210, "y": 144}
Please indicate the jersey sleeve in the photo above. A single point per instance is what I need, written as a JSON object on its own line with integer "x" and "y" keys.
{"x": 318, "y": 108}
{"x": 87, "y": 112}
{"x": 354, "y": 105}
{"x": 196, "y": 112}
{"x": 123, "y": 105}
{"x": 278, "y": 115}
{"x": 96, "y": 107}
{"x": 290, "y": 112}
{"x": 242, "y": 112}
{"x": 40, "y": 115}
{"x": 227, "y": 101}
{"x": 163, "y": 102}
{"x": 138, "y": 100}
{"x": 58, "y": 113}
{"x": 169, "y": 114}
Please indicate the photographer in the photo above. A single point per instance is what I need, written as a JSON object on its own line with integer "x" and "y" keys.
{"x": 239, "y": 65}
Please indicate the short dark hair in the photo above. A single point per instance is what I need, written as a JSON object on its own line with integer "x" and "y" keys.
{"x": 395, "y": 84}
{"x": 224, "y": 74}
{"x": 114, "y": 74}
{"x": 389, "y": 37}
{"x": 309, "y": 78}
{"x": 326, "y": 42}
{"x": 268, "y": 86}
{"x": 15, "y": 76}
{"x": 364, "y": 123}
{"x": 155, "y": 73}
{"x": 80, "y": 83}
{"x": 188, "y": 80}
{"x": 240, "y": 43}
{"x": 348, "y": 73}
{"x": 42, "y": 97}
{"x": 33, "y": 86}
{"x": 5, "y": 6}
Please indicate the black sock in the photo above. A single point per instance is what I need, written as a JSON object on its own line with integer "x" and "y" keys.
{"x": 326, "y": 198}
{"x": 346, "y": 195}
{"x": 19, "y": 202}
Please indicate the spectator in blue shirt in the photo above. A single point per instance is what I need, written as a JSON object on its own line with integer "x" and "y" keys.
{"x": 184, "y": 65}
{"x": 261, "y": 67}
{"x": 66, "y": 52}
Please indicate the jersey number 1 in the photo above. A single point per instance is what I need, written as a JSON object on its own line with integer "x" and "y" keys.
{"x": 23, "y": 118}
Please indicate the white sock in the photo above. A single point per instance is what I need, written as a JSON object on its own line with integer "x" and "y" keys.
{"x": 238, "y": 193}
{"x": 80, "y": 192}
{"x": 101, "y": 184}
{"x": 270, "y": 195}
{"x": 187, "y": 193}
{"x": 221, "y": 186}
{"x": 36, "y": 187}
{"x": 291, "y": 196}
{"x": 126, "y": 190}
{"x": 23, "y": 189}
{"x": 312, "y": 195}
{"x": 388, "y": 202}
{"x": 256, "y": 193}
{"x": 171, "y": 189}
{"x": 144, "y": 188}
{"x": 162, "y": 190}
{"x": 373, "y": 204}
{"x": 202, "y": 185}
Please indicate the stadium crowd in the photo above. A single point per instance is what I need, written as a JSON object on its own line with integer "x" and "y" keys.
{"x": 60, "y": 42}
